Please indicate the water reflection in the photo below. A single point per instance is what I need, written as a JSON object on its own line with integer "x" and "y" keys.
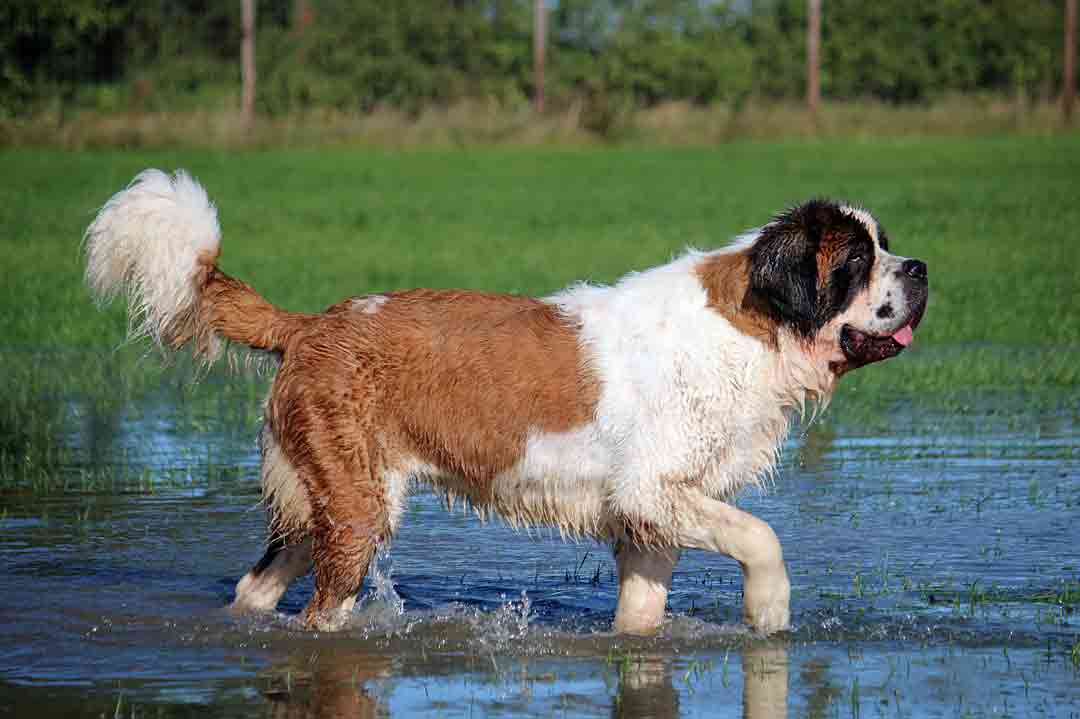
{"x": 765, "y": 682}
{"x": 646, "y": 689}
{"x": 332, "y": 683}
{"x": 342, "y": 682}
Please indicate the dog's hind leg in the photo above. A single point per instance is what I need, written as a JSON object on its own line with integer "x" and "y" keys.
{"x": 644, "y": 580}
{"x": 349, "y": 523}
{"x": 343, "y": 550}
{"x": 720, "y": 527}
{"x": 262, "y": 587}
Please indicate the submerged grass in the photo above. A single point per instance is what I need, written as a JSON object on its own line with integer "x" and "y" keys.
{"x": 994, "y": 218}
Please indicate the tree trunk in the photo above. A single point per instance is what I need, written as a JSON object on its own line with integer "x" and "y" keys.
{"x": 1068, "y": 89}
{"x": 813, "y": 46}
{"x": 539, "y": 50}
{"x": 247, "y": 60}
{"x": 302, "y": 16}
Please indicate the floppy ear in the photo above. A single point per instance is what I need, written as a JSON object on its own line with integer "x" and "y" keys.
{"x": 783, "y": 268}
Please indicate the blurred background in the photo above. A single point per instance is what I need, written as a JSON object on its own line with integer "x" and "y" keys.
{"x": 131, "y": 73}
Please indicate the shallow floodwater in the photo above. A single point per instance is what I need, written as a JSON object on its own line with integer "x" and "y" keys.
{"x": 935, "y": 563}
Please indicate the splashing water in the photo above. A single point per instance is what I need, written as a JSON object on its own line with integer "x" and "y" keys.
{"x": 382, "y": 610}
{"x": 498, "y": 631}
{"x": 384, "y": 594}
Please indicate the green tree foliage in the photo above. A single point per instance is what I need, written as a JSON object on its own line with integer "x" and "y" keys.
{"x": 408, "y": 53}
{"x": 356, "y": 55}
{"x": 908, "y": 51}
{"x": 48, "y": 46}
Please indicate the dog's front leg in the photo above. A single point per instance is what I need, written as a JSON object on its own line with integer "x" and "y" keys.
{"x": 644, "y": 580}
{"x": 720, "y": 527}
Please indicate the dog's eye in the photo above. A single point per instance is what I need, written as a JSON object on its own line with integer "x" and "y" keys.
{"x": 856, "y": 259}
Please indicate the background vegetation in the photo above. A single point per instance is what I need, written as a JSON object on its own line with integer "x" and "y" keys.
{"x": 605, "y": 58}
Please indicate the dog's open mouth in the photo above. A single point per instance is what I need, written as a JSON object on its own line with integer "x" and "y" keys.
{"x": 861, "y": 348}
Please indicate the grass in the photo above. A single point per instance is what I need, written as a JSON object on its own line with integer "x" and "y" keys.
{"x": 995, "y": 218}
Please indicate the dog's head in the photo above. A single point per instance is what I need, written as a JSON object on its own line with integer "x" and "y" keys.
{"x": 824, "y": 270}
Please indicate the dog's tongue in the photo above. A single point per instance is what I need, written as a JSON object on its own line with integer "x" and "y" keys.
{"x": 904, "y": 336}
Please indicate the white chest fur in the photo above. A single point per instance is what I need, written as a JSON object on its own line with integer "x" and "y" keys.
{"x": 686, "y": 400}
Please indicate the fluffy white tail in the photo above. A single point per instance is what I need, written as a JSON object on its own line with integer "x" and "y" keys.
{"x": 157, "y": 241}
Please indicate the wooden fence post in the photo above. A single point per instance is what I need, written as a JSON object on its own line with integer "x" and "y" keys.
{"x": 813, "y": 62}
{"x": 1068, "y": 84}
{"x": 539, "y": 51}
{"x": 247, "y": 62}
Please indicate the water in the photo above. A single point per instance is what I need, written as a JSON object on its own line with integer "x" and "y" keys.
{"x": 934, "y": 565}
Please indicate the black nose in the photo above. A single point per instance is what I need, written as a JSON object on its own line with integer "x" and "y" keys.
{"x": 915, "y": 269}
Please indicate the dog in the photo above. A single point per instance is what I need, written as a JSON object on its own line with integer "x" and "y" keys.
{"x": 630, "y": 413}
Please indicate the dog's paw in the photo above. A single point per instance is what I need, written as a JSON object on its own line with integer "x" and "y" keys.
{"x": 328, "y": 620}
{"x": 766, "y": 603}
{"x": 769, "y": 619}
{"x": 255, "y": 594}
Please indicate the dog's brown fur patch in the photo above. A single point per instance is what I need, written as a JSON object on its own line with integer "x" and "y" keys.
{"x": 830, "y": 255}
{"x": 457, "y": 379}
{"x": 726, "y": 278}
{"x": 483, "y": 370}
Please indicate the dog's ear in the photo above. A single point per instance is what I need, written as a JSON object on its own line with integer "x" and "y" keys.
{"x": 783, "y": 266}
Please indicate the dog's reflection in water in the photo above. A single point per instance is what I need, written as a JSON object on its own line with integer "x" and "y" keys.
{"x": 765, "y": 682}
{"x": 647, "y": 688}
{"x": 336, "y": 683}
{"x": 328, "y": 684}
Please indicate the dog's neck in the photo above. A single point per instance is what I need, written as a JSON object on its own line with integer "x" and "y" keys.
{"x": 803, "y": 375}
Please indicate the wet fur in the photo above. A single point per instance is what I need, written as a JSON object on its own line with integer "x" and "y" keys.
{"x": 629, "y": 413}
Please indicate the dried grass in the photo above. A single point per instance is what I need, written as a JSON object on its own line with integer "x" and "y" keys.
{"x": 481, "y": 122}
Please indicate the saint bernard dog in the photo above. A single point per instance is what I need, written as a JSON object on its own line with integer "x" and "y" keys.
{"x": 630, "y": 413}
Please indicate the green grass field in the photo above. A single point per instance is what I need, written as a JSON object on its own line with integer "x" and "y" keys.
{"x": 995, "y": 219}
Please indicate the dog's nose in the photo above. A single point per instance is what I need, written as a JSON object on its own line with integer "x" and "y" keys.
{"x": 915, "y": 269}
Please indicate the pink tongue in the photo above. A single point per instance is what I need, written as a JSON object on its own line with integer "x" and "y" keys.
{"x": 905, "y": 336}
